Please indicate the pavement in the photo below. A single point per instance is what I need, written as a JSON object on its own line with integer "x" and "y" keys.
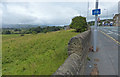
{"x": 106, "y": 58}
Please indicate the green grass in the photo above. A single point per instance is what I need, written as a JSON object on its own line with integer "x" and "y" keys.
{"x": 39, "y": 54}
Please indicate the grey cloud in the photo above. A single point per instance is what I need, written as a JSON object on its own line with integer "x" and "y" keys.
{"x": 55, "y": 13}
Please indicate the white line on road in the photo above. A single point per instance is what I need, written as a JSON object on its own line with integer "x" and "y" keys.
{"x": 110, "y": 32}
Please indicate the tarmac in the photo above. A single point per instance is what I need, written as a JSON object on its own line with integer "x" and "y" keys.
{"x": 106, "y": 58}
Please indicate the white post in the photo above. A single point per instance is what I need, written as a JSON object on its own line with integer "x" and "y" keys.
{"x": 95, "y": 28}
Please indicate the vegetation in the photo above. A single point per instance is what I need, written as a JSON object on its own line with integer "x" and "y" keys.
{"x": 31, "y": 30}
{"x": 79, "y": 23}
{"x": 6, "y": 32}
{"x": 39, "y": 54}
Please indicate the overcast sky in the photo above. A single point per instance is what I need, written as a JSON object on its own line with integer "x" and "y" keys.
{"x": 52, "y": 13}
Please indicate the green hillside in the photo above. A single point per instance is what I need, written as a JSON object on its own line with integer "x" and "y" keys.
{"x": 39, "y": 54}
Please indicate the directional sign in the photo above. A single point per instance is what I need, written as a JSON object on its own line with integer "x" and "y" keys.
{"x": 96, "y": 11}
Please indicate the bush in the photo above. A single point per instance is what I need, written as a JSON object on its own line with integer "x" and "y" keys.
{"x": 79, "y": 23}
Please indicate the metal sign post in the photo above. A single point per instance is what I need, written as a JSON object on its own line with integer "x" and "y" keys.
{"x": 95, "y": 12}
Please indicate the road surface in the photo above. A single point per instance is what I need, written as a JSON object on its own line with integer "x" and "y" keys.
{"x": 111, "y": 31}
{"x": 107, "y": 56}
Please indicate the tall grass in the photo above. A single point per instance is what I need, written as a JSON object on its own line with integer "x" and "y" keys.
{"x": 39, "y": 54}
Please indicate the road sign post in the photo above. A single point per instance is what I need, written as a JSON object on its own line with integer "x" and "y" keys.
{"x": 95, "y": 12}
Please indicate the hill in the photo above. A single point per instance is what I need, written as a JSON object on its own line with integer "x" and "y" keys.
{"x": 21, "y": 25}
{"x": 39, "y": 54}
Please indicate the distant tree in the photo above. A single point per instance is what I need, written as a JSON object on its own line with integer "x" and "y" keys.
{"x": 34, "y": 32}
{"x": 45, "y": 31}
{"x": 41, "y": 30}
{"x": 17, "y": 30}
{"x": 7, "y": 32}
{"x": 37, "y": 29}
{"x": 79, "y": 23}
{"x": 27, "y": 32}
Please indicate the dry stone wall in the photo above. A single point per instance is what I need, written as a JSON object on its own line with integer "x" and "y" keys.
{"x": 78, "y": 48}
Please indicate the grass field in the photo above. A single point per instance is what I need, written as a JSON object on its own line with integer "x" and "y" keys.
{"x": 39, "y": 54}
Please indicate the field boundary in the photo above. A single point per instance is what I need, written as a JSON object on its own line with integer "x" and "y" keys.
{"x": 78, "y": 48}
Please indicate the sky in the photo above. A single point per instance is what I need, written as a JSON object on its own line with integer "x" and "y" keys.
{"x": 52, "y": 13}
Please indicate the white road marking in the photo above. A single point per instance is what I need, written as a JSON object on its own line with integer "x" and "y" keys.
{"x": 109, "y": 33}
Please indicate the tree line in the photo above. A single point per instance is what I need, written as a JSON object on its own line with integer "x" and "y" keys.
{"x": 79, "y": 23}
{"x": 34, "y": 30}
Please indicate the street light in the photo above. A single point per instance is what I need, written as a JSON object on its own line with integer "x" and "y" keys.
{"x": 88, "y": 12}
{"x": 107, "y": 13}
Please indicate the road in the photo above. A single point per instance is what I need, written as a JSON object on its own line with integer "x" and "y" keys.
{"x": 107, "y": 56}
{"x": 111, "y": 31}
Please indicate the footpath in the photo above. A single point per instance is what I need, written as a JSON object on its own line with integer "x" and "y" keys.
{"x": 105, "y": 60}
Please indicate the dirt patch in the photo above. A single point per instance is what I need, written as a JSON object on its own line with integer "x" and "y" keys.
{"x": 95, "y": 71}
{"x": 96, "y": 60}
{"x": 91, "y": 49}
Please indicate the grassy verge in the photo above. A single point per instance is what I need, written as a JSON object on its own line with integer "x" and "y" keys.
{"x": 39, "y": 54}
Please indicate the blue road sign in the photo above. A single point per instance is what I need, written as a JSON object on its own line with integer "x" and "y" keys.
{"x": 96, "y": 11}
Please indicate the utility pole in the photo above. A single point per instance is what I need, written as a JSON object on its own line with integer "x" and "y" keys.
{"x": 107, "y": 14}
{"x": 95, "y": 28}
{"x": 88, "y": 12}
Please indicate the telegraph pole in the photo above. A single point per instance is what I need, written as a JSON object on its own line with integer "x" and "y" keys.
{"x": 95, "y": 28}
{"x": 88, "y": 12}
{"x": 107, "y": 14}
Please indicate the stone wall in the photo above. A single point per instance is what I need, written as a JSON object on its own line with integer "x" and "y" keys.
{"x": 78, "y": 48}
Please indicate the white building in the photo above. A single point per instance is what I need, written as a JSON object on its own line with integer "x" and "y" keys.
{"x": 116, "y": 19}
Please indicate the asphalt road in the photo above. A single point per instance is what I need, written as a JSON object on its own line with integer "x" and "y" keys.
{"x": 107, "y": 55}
{"x": 111, "y": 31}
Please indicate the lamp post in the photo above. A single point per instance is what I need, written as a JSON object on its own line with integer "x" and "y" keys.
{"x": 106, "y": 13}
{"x": 88, "y": 12}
